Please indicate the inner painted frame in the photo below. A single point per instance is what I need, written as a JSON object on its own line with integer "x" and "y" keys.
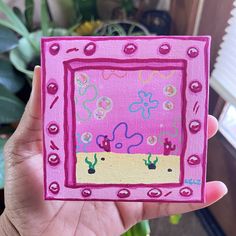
{"x": 128, "y": 122}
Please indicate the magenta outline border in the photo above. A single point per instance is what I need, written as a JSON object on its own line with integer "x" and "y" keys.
{"x": 67, "y": 66}
{"x": 205, "y": 39}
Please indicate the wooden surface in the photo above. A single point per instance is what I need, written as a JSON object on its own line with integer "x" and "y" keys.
{"x": 183, "y": 14}
{"x": 213, "y": 22}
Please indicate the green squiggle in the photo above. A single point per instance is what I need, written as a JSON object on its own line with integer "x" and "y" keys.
{"x": 83, "y": 92}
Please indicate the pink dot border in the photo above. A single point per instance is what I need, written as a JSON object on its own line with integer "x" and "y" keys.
{"x": 61, "y": 176}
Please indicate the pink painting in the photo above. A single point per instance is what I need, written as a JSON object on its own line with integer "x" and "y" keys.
{"x": 125, "y": 118}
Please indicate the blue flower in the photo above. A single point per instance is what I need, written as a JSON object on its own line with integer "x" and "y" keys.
{"x": 145, "y": 104}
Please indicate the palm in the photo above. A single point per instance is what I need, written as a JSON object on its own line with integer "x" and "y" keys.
{"x": 24, "y": 183}
{"x": 27, "y": 211}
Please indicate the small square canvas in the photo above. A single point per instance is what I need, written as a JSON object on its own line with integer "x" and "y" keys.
{"x": 125, "y": 118}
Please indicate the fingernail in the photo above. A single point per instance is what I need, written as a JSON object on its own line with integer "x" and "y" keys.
{"x": 35, "y": 69}
{"x": 224, "y": 188}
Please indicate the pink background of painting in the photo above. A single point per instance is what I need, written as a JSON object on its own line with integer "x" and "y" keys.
{"x": 123, "y": 92}
{"x": 197, "y": 69}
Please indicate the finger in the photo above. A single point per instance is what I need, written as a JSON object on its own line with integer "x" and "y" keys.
{"x": 214, "y": 191}
{"x": 212, "y": 126}
{"x": 30, "y": 125}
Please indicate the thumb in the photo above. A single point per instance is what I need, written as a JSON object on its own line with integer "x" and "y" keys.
{"x": 27, "y": 137}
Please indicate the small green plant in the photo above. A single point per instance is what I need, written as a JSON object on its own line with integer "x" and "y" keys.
{"x": 151, "y": 164}
{"x": 175, "y": 219}
{"x": 140, "y": 229}
{"x": 91, "y": 165}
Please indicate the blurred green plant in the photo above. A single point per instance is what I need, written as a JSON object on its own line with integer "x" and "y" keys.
{"x": 26, "y": 53}
{"x": 11, "y": 106}
{"x": 10, "y": 81}
{"x": 14, "y": 23}
{"x": 128, "y": 6}
{"x": 175, "y": 219}
{"x": 86, "y": 9}
{"x": 140, "y": 229}
{"x": 29, "y": 14}
{"x": 121, "y": 28}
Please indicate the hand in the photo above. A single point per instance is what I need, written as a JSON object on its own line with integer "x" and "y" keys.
{"x": 26, "y": 211}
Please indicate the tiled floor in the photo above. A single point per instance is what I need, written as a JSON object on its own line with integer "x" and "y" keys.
{"x": 189, "y": 226}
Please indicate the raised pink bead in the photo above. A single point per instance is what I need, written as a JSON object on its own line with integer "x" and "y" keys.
{"x": 130, "y": 48}
{"x": 54, "y": 187}
{"x": 52, "y": 88}
{"x": 195, "y": 86}
{"x": 53, "y": 128}
{"x": 90, "y": 49}
{"x": 195, "y": 126}
{"x": 164, "y": 48}
{"x": 53, "y": 159}
{"x": 194, "y": 160}
{"x": 86, "y": 192}
{"x": 123, "y": 193}
{"x": 54, "y": 49}
{"x": 192, "y": 52}
{"x": 186, "y": 192}
{"x": 154, "y": 193}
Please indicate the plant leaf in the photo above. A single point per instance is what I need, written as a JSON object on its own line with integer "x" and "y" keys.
{"x": 90, "y": 164}
{"x": 10, "y": 26}
{"x": 11, "y": 107}
{"x": 45, "y": 18}
{"x": 19, "y": 14}
{"x": 29, "y": 13}
{"x": 19, "y": 64}
{"x": 24, "y": 54}
{"x": 146, "y": 162}
{"x": 14, "y": 23}
{"x": 156, "y": 160}
{"x": 8, "y": 39}
{"x": 9, "y": 78}
{"x": 13, "y": 19}
{"x": 95, "y": 160}
{"x": 58, "y": 32}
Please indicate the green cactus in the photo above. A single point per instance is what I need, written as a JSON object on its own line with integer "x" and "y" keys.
{"x": 91, "y": 165}
{"x": 151, "y": 164}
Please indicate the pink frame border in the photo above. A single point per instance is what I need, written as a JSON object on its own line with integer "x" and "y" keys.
{"x": 56, "y": 185}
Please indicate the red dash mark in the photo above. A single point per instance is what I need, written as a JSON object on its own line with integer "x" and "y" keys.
{"x": 196, "y": 108}
{"x": 167, "y": 194}
{"x": 54, "y": 101}
{"x": 53, "y": 146}
{"x": 72, "y": 50}
{"x": 195, "y": 105}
